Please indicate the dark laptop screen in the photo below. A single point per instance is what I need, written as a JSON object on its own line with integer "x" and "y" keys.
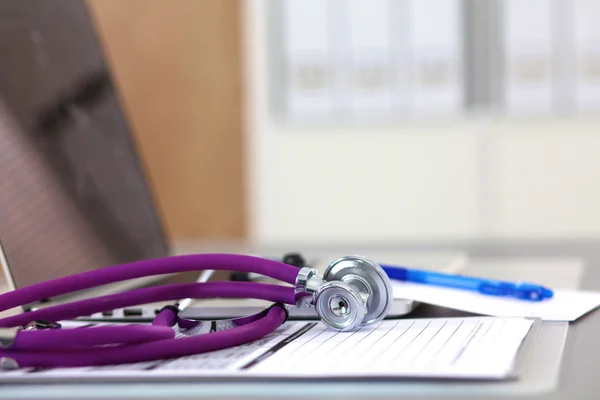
{"x": 73, "y": 195}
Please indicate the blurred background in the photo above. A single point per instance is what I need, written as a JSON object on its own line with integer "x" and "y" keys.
{"x": 422, "y": 120}
{"x": 362, "y": 121}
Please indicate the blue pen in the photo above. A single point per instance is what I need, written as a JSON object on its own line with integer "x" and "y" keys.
{"x": 520, "y": 290}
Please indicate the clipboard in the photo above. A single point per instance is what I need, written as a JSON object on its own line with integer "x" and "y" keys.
{"x": 150, "y": 373}
{"x": 524, "y": 355}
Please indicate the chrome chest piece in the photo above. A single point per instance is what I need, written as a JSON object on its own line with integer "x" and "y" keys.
{"x": 353, "y": 292}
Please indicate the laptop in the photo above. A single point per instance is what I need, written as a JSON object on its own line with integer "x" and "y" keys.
{"x": 73, "y": 192}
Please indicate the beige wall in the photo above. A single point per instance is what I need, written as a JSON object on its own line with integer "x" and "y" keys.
{"x": 177, "y": 66}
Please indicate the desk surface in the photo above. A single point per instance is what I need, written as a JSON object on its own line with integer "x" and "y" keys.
{"x": 578, "y": 373}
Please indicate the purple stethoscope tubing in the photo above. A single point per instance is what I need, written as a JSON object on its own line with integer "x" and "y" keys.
{"x": 138, "y": 343}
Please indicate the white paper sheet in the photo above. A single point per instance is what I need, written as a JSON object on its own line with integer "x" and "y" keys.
{"x": 476, "y": 347}
{"x": 565, "y": 305}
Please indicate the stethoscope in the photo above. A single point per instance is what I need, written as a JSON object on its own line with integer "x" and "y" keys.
{"x": 352, "y": 292}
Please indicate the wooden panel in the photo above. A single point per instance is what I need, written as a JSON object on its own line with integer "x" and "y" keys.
{"x": 177, "y": 64}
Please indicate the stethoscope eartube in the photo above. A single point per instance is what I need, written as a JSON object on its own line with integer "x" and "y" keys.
{"x": 353, "y": 292}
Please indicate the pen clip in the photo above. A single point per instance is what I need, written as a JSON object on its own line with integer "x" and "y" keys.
{"x": 524, "y": 291}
